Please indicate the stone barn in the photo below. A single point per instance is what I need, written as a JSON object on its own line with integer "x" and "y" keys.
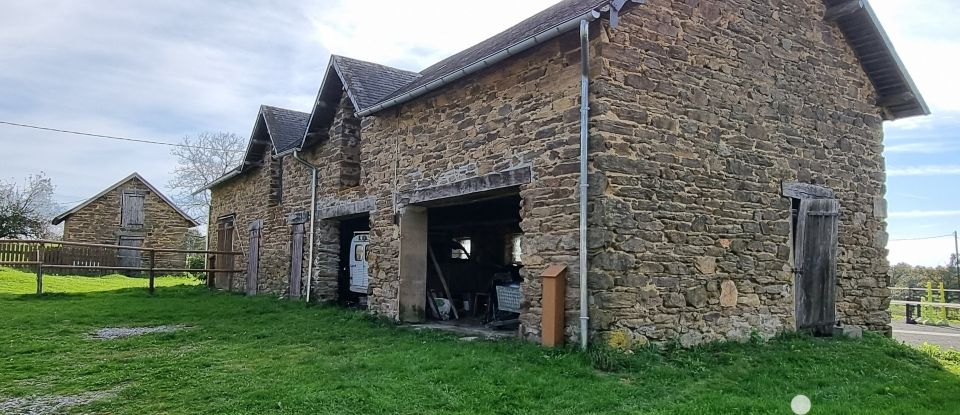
{"x": 701, "y": 170}
{"x": 130, "y": 213}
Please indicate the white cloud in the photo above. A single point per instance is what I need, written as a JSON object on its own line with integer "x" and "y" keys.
{"x": 925, "y": 214}
{"x": 919, "y": 148}
{"x": 413, "y": 34}
{"x": 928, "y": 41}
{"x": 156, "y": 70}
{"x": 929, "y": 252}
{"x": 924, "y": 171}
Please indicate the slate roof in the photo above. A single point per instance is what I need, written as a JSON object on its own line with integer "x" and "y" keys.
{"x": 898, "y": 95}
{"x": 368, "y": 83}
{"x": 286, "y": 127}
{"x": 553, "y": 16}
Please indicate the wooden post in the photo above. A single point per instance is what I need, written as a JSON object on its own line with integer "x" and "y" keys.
{"x": 211, "y": 264}
{"x": 40, "y": 249}
{"x": 554, "y": 293}
{"x": 153, "y": 265}
{"x": 443, "y": 281}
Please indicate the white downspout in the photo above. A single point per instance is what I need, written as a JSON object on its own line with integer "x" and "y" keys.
{"x": 584, "y": 185}
{"x": 313, "y": 221}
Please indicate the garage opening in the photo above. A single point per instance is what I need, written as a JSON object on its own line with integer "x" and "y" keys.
{"x": 473, "y": 264}
{"x": 353, "y": 276}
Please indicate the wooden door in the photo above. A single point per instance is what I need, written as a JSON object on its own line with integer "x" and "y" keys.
{"x": 129, "y": 258}
{"x": 296, "y": 261}
{"x": 224, "y": 244}
{"x": 253, "y": 257}
{"x": 816, "y": 265}
{"x": 131, "y": 211}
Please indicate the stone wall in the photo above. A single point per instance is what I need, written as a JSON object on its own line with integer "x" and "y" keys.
{"x": 699, "y": 111}
{"x": 523, "y": 113}
{"x": 703, "y": 109}
{"x": 247, "y": 197}
{"x": 99, "y": 223}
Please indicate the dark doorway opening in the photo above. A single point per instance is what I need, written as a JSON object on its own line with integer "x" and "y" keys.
{"x": 474, "y": 261}
{"x": 352, "y": 285}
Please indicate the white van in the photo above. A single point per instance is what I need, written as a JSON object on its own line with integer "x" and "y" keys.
{"x": 359, "y": 279}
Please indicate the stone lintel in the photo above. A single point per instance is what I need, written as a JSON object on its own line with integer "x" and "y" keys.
{"x": 351, "y": 208}
{"x": 298, "y": 218}
{"x": 492, "y": 181}
{"x": 799, "y": 190}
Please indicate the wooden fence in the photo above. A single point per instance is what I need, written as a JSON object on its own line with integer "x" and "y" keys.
{"x": 79, "y": 257}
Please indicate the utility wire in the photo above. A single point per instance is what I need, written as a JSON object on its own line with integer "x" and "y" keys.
{"x": 111, "y": 137}
{"x": 923, "y": 238}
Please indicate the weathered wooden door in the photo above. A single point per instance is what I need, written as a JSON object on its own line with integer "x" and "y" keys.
{"x": 131, "y": 211}
{"x": 253, "y": 258}
{"x": 129, "y": 258}
{"x": 224, "y": 261}
{"x": 816, "y": 264}
{"x": 296, "y": 261}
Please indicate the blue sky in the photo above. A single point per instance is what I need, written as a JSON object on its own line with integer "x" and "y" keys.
{"x": 162, "y": 70}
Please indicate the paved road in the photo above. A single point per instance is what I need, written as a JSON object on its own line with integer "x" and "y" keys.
{"x": 917, "y": 334}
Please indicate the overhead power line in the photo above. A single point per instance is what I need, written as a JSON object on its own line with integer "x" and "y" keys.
{"x": 113, "y": 137}
{"x": 922, "y": 238}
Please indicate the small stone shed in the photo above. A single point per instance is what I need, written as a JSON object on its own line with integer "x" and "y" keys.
{"x": 130, "y": 213}
{"x": 735, "y": 177}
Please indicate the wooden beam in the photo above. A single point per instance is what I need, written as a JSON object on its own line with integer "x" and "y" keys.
{"x": 843, "y": 9}
{"x": 894, "y": 100}
{"x": 443, "y": 281}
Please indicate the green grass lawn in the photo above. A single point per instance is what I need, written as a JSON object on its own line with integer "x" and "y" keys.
{"x": 17, "y": 282}
{"x": 260, "y": 355}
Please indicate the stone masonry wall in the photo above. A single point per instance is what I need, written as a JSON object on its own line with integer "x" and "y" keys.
{"x": 699, "y": 111}
{"x": 703, "y": 109}
{"x": 247, "y": 197}
{"x": 522, "y": 113}
{"x": 99, "y": 223}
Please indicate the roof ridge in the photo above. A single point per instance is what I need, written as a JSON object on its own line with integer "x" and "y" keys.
{"x": 335, "y": 57}
{"x": 135, "y": 175}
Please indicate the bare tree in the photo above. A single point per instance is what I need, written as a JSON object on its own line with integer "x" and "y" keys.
{"x": 27, "y": 209}
{"x": 201, "y": 159}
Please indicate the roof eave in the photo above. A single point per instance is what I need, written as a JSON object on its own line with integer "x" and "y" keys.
{"x": 64, "y": 216}
{"x": 921, "y": 103}
{"x": 897, "y": 95}
{"x": 481, "y": 64}
{"x": 331, "y": 69}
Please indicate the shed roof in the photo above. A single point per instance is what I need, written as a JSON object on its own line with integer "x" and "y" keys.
{"x": 281, "y": 127}
{"x": 541, "y": 22}
{"x": 365, "y": 83}
{"x": 286, "y": 127}
{"x": 63, "y": 216}
{"x": 898, "y": 95}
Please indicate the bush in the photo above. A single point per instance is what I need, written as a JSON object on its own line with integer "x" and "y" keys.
{"x": 197, "y": 262}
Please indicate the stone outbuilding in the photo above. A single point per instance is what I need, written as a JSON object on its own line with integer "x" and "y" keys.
{"x": 130, "y": 213}
{"x": 733, "y": 178}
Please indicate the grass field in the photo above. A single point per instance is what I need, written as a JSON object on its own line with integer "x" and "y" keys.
{"x": 259, "y": 355}
{"x": 17, "y": 282}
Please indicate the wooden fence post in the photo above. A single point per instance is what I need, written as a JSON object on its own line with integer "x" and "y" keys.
{"x": 40, "y": 249}
{"x": 153, "y": 265}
